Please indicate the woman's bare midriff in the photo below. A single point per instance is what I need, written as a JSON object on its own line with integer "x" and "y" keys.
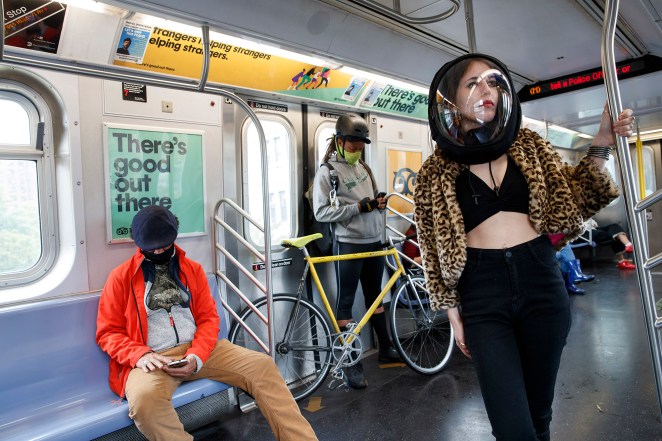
{"x": 503, "y": 230}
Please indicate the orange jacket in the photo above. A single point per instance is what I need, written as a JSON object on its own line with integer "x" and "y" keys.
{"x": 122, "y": 319}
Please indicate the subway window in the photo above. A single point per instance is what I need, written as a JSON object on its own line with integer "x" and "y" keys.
{"x": 324, "y": 132}
{"x": 26, "y": 230}
{"x": 280, "y": 151}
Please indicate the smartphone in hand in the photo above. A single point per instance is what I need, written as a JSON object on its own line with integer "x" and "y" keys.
{"x": 178, "y": 363}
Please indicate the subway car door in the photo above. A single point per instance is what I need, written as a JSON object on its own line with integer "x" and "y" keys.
{"x": 242, "y": 182}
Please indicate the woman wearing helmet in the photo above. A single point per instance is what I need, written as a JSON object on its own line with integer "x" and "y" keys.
{"x": 354, "y": 208}
{"x": 486, "y": 199}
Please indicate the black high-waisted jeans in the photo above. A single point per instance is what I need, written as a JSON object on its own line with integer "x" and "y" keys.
{"x": 516, "y": 318}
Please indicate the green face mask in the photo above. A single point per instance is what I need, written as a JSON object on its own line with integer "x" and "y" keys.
{"x": 351, "y": 158}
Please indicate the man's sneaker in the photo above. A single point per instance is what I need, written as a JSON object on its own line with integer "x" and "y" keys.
{"x": 628, "y": 248}
{"x": 390, "y": 355}
{"x": 626, "y": 264}
{"x": 355, "y": 377}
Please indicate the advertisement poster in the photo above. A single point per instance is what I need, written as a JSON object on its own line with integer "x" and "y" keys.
{"x": 354, "y": 89}
{"x": 160, "y": 50}
{"x": 133, "y": 42}
{"x": 149, "y": 166}
{"x": 402, "y": 168}
{"x": 372, "y": 95}
{"x": 397, "y": 100}
{"x": 33, "y": 24}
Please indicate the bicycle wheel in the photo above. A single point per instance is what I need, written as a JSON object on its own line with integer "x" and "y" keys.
{"x": 423, "y": 337}
{"x": 304, "y": 359}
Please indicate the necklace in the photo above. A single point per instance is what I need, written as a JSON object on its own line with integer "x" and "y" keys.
{"x": 496, "y": 187}
{"x": 473, "y": 191}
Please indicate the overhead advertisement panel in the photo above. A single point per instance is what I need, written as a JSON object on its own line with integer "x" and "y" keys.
{"x": 33, "y": 24}
{"x": 160, "y": 50}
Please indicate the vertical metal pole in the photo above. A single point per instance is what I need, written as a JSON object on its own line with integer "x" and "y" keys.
{"x": 267, "y": 235}
{"x": 205, "y": 58}
{"x": 636, "y": 220}
{"x": 469, "y": 17}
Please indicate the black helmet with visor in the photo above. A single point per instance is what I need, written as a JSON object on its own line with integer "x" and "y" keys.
{"x": 352, "y": 127}
{"x": 473, "y": 111}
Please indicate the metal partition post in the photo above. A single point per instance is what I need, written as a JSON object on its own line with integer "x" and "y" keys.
{"x": 636, "y": 212}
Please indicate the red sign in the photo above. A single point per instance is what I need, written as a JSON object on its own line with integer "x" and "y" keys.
{"x": 588, "y": 78}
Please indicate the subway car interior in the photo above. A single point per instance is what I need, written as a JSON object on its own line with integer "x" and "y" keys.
{"x": 222, "y": 111}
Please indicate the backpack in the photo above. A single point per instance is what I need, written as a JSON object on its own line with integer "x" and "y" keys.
{"x": 325, "y": 244}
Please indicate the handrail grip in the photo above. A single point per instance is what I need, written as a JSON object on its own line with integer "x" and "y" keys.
{"x": 649, "y": 200}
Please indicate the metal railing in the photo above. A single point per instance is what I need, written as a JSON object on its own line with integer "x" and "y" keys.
{"x": 391, "y": 230}
{"x": 635, "y": 209}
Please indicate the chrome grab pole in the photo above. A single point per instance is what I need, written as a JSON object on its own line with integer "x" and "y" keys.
{"x": 636, "y": 210}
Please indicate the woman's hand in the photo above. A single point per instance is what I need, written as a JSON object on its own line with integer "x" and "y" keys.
{"x": 458, "y": 330}
{"x": 623, "y": 126}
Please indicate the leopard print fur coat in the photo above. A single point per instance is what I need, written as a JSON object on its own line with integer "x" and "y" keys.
{"x": 561, "y": 198}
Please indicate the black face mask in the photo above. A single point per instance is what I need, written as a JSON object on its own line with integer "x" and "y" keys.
{"x": 161, "y": 258}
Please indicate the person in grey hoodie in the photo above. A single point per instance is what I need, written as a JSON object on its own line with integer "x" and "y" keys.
{"x": 354, "y": 210}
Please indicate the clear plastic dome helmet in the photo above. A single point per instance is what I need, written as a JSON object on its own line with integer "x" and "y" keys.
{"x": 473, "y": 111}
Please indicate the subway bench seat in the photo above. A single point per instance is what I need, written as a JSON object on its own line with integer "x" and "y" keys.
{"x": 54, "y": 382}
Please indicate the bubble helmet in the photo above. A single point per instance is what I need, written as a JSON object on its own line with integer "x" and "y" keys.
{"x": 473, "y": 111}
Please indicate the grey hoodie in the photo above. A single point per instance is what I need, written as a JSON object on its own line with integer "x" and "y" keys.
{"x": 354, "y": 184}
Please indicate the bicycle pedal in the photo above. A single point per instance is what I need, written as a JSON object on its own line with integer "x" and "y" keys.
{"x": 339, "y": 378}
{"x": 340, "y": 384}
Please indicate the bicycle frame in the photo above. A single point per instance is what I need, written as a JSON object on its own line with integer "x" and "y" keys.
{"x": 312, "y": 261}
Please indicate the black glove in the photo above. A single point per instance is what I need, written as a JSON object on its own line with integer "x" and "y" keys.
{"x": 367, "y": 205}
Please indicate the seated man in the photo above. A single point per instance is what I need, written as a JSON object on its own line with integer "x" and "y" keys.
{"x": 157, "y": 308}
{"x": 614, "y": 236}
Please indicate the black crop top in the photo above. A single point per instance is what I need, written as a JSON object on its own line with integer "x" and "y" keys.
{"x": 513, "y": 196}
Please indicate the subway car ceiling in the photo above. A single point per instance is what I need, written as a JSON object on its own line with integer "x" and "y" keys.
{"x": 539, "y": 40}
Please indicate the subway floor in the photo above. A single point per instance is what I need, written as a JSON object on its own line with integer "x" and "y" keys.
{"x": 605, "y": 389}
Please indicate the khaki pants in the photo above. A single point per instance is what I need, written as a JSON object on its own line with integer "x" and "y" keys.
{"x": 149, "y": 394}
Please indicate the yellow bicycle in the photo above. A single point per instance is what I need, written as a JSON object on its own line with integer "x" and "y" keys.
{"x": 307, "y": 349}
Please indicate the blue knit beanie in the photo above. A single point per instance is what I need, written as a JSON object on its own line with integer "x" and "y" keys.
{"x": 154, "y": 227}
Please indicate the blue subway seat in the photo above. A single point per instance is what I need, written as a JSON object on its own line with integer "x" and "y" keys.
{"x": 54, "y": 381}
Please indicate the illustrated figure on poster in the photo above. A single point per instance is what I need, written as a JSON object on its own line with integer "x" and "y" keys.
{"x": 295, "y": 79}
{"x": 307, "y": 78}
{"x": 350, "y": 90}
{"x": 313, "y": 83}
{"x": 124, "y": 49}
{"x": 325, "y": 77}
